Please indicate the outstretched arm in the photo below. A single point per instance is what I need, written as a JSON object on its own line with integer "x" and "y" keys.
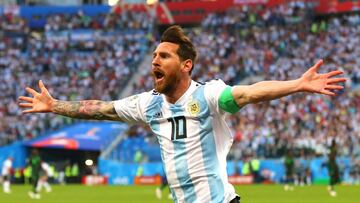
{"x": 43, "y": 102}
{"x": 310, "y": 81}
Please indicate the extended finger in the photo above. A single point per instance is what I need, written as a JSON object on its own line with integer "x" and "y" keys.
{"x": 317, "y": 65}
{"x": 26, "y": 104}
{"x": 31, "y": 91}
{"x": 28, "y": 99}
{"x": 327, "y": 92}
{"x": 334, "y": 87}
{"x": 335, "y": 80}
{"x": 28, "y": 111}
{"x": 333, "y": 73}
{"x": 41, "y": 85}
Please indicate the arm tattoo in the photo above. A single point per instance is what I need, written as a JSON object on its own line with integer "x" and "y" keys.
{"x": 87, "y": 109}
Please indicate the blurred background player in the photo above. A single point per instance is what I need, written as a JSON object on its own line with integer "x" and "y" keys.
{"x": 333, "y": 169}
{"x": 47, "y": 173}
{"x": 302, "y": 170}
{"x": 354, "y": 171}
{"x": 164, "y": 184}
{"x": 6, "y": 174}
{"x": 35, "y": 163}
{"x": 289, "y": 171}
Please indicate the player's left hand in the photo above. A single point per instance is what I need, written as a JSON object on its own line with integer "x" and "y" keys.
{"x": 311, "y": 81}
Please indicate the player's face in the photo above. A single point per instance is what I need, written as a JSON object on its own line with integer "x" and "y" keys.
{"x": 166, "y": 65}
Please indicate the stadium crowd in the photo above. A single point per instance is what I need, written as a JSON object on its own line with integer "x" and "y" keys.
{"x": 113, "y": 21}
{"x": 280, "y": 44}
{"x": 77, "y": 68}
{"x": 243, "y": 44}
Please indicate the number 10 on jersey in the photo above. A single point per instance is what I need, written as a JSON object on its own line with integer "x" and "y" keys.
{"x": 178, "y": 127}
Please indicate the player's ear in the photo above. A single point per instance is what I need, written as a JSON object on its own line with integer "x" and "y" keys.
{"x": 187, "y": 65}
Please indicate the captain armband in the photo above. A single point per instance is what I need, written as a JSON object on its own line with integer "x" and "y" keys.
{"x": 227, "y": 101}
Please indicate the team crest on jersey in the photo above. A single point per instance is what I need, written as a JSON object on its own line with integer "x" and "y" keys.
{"x": 193, "y": 107}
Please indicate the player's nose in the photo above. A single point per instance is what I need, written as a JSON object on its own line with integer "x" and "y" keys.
{"x": 155, "y": 62}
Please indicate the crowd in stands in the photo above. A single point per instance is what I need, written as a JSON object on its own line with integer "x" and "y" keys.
{"x": 281, "y": 44}
{"x": 113, "y": 21}
{"x": 74, "y": 60}
{"x": 11, "y": 23}
{"x": 242, "y": 45}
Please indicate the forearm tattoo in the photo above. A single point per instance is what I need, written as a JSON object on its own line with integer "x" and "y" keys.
{"x": 88, "y": 109}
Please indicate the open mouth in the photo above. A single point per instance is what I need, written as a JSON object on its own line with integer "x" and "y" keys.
{"x": 158, "y": 75}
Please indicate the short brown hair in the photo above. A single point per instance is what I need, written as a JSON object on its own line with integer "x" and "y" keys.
{"x": 186, "y": 50}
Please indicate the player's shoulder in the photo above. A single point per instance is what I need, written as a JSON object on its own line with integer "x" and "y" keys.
{"x": 213, "y": 88}
{"x": 214, "y": 82}
{"x": 146, "y": 97}
{"x": 142, "y": 99}
{"x": 211, "y": 84}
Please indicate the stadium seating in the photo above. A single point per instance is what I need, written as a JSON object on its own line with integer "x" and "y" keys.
{"x": 75, "y": 60}
{"x": 238, "y": 46}
{"x": 279, "y": 44}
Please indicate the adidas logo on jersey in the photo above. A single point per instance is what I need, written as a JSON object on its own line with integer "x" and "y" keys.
{"x": 158, "y": 115}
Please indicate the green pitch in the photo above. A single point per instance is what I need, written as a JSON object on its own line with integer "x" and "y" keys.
{"x": 141, "y": 194}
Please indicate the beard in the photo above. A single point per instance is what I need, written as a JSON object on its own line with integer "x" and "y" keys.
{"x": 168, "y": 84}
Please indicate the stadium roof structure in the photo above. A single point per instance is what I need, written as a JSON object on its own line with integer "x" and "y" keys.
{"x": 94, "y": 136}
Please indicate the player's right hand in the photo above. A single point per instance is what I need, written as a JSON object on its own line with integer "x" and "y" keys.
{"x": 39, "y": 103}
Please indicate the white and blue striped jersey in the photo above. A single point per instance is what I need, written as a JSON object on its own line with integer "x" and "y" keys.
{"x": 193, "y": 136}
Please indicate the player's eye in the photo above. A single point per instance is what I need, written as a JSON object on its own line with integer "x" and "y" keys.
{"x": 164, "y": 55}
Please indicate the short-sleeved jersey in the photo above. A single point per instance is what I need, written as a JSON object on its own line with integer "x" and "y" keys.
{"x": 35, "y": 162}
{"x": 193, "y": 136}
{"x": 6, "y": 167}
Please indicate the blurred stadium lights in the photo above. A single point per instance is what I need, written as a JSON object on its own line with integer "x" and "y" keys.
{"x": 150, "y": 2}
{"x": 112, "y": 2}
{"x": 89, "y": 162}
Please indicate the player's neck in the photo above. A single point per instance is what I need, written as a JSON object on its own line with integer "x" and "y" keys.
{"x": 179, "y": 92}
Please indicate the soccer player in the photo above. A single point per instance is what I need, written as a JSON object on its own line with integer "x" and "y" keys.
{"x": 6, "y": 174}
{"x": 187, "y": 117}
{"x": 35, "y": 163}
{"x": 43, "y": 180}
{"x": 333, "y": 169}
{"x": 164, "y": 184}
{"x": 289, "y": 165}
